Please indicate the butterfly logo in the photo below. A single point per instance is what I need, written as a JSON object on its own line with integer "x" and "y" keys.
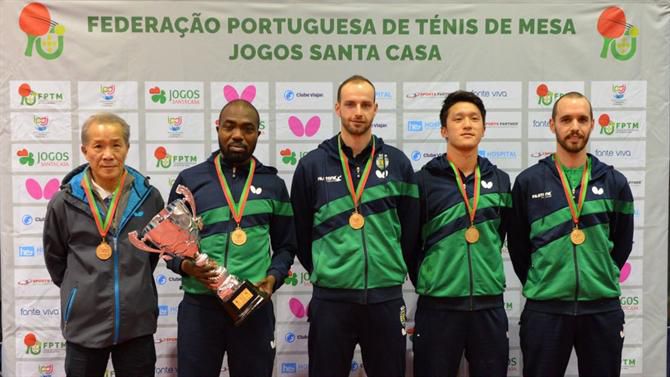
{"x": 625, "y": 272}
{"x": 36, "y": 191}
{"x": 308, "y": 129}
{"x": 597, "y": 191}
{"x": 487, "y": 185}
{"x": 382, "y": 174}
{"x": 256, "y": 190}
{"x": 248, "y": 93}
{"x": 297, "y": 307}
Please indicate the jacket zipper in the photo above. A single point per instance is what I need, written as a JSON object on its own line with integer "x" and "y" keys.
{"x": 471, "y": 298}
{"x": 365, "y": 253}
{"x": 574, "y": 257}
{"x": 225, "y": 253}
{"x": 117, "y": 301}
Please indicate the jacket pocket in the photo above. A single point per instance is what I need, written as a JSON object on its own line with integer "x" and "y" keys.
{"x": 69, "y": 304}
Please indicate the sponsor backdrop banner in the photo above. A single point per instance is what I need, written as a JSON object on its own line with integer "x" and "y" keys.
{"x": 168, "y": 67}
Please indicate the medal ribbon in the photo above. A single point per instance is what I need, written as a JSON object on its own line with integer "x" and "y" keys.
{"x": 575, "y": 210}
{"x": 461, "y": 188}
{"x": 358, "y": 192}
{"x": 103, "y": 227}
{"x": 236, "y": 209}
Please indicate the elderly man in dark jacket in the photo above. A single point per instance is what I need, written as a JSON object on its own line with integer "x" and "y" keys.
{"x": 108, "y": 295}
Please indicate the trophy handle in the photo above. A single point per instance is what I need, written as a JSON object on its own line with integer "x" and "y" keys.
{"x": 135, "y": 241}
{"x": 183, "y": 190}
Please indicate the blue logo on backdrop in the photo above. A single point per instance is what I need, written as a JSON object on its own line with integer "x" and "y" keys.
{"x": 414, "y": 125}
{"x": 26, "y": 251}
{"x": 289, "y": 368}
{"x": 290, "y": 337}
{"x": 289, "y": 95}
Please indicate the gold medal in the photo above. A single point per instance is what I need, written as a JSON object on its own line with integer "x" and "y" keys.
{"x": 356, "y": 220}
{"x": 577, "y": 236}
{"x": 472, "y": 234}
{"x": 239, "y": 236}
{"x": 103, "y": 251}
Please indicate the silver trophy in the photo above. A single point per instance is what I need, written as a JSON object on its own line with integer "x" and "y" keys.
{"x": 175, "y": 232}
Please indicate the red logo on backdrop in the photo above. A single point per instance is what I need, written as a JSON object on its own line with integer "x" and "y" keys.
{"x": 619, "y": 37}
{"x": 44, "y": 34}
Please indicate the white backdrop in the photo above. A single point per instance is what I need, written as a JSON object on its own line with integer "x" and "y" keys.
{"x": 168, "y": 67}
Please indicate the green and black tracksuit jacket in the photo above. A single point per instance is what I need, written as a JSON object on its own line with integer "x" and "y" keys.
{"x": 270, "y": 246}
{"x": 558, "y": 276}
{"x": 366, "y": 265}
{"x": 452, "y": 274}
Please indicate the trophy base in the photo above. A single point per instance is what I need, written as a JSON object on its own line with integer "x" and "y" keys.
{"x": 244, "y": 301}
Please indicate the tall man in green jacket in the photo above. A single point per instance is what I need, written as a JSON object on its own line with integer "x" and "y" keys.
{"x": 573, "y": 231}
{"x": 354, "y": 203}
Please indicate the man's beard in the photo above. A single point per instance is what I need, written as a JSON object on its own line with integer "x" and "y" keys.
{"x": 572, "y": 148}
{"x": 357, "y": 131}
{"x": 235, "y": 157}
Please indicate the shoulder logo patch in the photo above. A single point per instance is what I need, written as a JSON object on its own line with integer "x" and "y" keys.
{"x": 330, "y": 179}
{"x": 541, "y": 195}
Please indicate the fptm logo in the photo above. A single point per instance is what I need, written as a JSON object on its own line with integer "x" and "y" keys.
{"x": 165, "y": 160}
{"x": 29, "y": 97}
{"x": 609, "y": 127}
{"x": 45, "y": 34}
{"x": 619, "y": 37}
{"x": 546, "y": 97}
{"x": 33, "y": 346}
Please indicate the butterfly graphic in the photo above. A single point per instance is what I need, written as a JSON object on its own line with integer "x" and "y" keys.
{"x": 597, "y": 191}
{"x": 36, "y": 191}
{"x": 256, "y": 190}
{"x": 308, "y": 129}
{"x": 625, "y": 272}
{"x": 248, "y": 94}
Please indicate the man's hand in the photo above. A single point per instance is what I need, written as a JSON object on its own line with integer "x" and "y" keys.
{"x": 205, "y": 274}
{"x": 267, "y": 285}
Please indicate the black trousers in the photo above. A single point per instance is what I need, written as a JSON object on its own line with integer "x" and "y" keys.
{"x": 206, "y": 332}
{"x": 336, "y": 327}
{"x": 547, "y": 340}
{"x": 441, "y": 337}
{"x": 133, "y": 358}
